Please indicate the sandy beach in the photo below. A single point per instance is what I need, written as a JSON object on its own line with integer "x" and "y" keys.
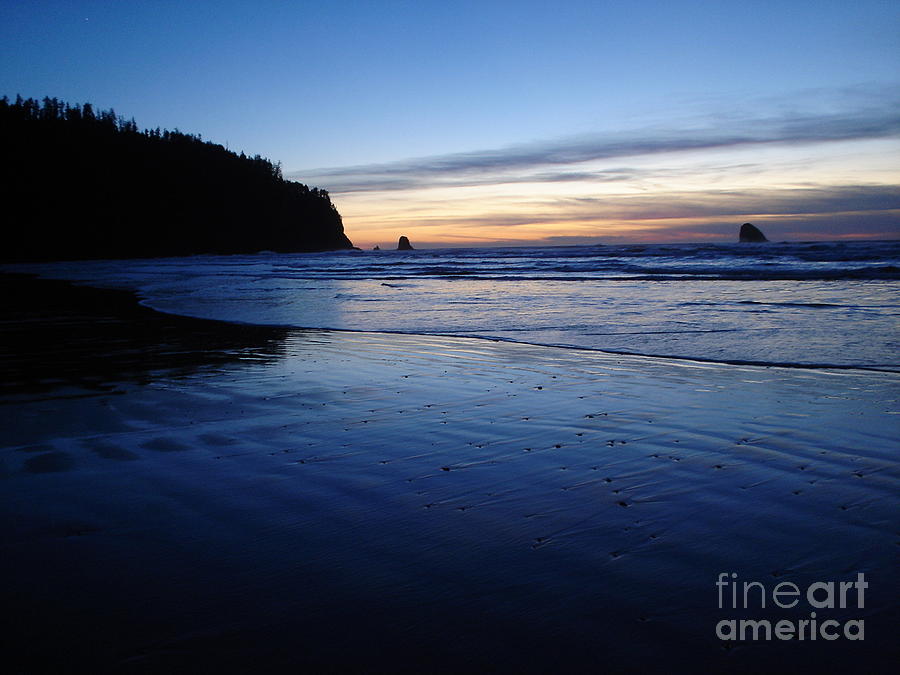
{"x": 186, "y": 495}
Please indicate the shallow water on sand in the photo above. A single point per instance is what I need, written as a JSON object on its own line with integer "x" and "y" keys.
{"x": 822, "y": 303}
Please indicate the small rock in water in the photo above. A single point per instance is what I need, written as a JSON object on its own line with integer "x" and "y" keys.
{"x": 751, "y": 234}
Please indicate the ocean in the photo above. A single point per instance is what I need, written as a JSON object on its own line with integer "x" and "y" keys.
{"x": 816, "y": 304}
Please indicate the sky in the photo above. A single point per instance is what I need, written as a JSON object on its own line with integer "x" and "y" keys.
{"x": 511, "y": 123}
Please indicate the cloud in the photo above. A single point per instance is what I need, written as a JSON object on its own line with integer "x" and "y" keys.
{"x": 536, "y": 162}
{"x": 812, "y": 200}
{"x": 344, "y": 183}
{"x": 731, "y": 204}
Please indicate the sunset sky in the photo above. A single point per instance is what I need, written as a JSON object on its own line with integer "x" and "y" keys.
{"x": 488, "y": 123}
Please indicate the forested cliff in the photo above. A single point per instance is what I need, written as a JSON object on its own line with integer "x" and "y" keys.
{"x": 83, "y": 184}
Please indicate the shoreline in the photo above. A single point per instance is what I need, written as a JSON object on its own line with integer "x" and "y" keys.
{"x": 755, "y": 320}
{"x": 812, "y": 354}
{"x": 227, "y": 496}
{"x": 612, "y": 352}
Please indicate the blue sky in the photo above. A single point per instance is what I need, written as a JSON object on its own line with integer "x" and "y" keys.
{"x": 511, "y": 122}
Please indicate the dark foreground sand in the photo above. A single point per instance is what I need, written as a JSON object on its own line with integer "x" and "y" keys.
{"x": 188, "y": 496}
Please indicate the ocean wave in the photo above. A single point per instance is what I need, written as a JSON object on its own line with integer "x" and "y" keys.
{"x": 820, "y": 261}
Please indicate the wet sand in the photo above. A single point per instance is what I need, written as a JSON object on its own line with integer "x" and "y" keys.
{"x": 190, "y": 496}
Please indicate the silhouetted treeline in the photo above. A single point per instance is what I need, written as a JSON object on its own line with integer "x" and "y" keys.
{"x": 81, "y": 183}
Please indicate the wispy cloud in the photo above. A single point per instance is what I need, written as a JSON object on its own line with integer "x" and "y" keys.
{"x": 562, "y": 160}
{"x": 813, "y": 200}
{"x": 730, "y": 204}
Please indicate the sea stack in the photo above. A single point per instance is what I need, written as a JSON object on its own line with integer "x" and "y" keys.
{"x": 404, "y": 245}
{"x": 751, "y": 234}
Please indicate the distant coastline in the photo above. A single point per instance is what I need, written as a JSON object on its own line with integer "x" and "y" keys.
{"x": 82, "y": 184}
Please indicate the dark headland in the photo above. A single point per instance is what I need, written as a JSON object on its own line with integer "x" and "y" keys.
{"x": 83, "y": 184}
{"x": 404, "y": 245}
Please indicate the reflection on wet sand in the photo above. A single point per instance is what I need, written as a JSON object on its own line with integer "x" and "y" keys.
{"x": 54, "y": 333}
